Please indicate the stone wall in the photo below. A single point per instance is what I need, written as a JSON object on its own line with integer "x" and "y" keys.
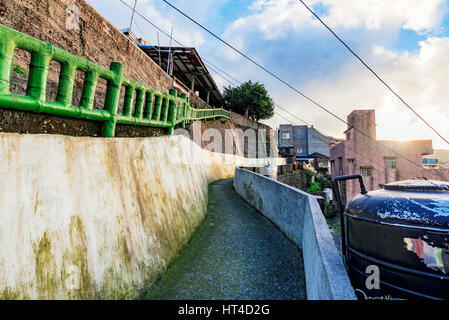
{"x": 296, "y": 180}
{"x": 99, "y": 41}
{"x": 96, "y": 39}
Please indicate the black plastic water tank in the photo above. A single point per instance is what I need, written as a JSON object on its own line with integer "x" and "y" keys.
{"x": 402, "y": 229}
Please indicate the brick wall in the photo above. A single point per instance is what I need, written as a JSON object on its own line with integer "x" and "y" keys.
{"x": 359, "y": 151}
{"x": 96, "y": 39}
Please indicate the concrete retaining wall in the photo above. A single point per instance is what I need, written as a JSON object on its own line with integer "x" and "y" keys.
{"x": 299, "y": 216}
{"x": 86, "y": 218}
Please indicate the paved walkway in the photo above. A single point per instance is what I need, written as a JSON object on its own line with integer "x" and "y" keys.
{"x": 235, "y": 254}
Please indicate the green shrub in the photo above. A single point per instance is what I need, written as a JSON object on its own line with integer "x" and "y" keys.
{"x": 18, "y": 69}
{"x": 325, "y": 182}
{"x": 314, "y": 187}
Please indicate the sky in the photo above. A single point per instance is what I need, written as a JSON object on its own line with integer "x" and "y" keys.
{"x": 405, "y": 41}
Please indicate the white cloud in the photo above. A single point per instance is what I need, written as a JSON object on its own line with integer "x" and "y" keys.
{"x": 421, "y": 79}
{"x": 272, "y": 18}
{"x": 162, "y": 17}
{"x": 276, "y": 18}
{"x": 417, "y": 15}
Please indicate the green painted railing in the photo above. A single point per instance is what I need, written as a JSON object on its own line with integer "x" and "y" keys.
{"x": 152, "y": 107}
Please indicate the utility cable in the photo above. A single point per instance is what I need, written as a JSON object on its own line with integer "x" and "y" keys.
{"x": 286, "y": 83}
{"x": 373, "y": 72}
{"x": 271, "y": 73}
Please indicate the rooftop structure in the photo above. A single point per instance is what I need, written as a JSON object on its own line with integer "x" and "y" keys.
{"x": 189, "y": 71}
{"x": 133, "y": 37}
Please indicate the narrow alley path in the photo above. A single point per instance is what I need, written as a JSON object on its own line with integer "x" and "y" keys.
{"x": 235, "y": 254}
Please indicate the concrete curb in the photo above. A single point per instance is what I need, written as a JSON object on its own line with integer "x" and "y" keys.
{"x": 299, "y": 216}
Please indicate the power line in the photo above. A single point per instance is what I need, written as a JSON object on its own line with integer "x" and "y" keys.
{"x": 320, "y": 137}
{"x": 263, "y": 68}
{"x": 168, "y": 35}
{"x": 227, "y": 74}
{"x": 314, "y": 132}
{"x": 155, "y": 26}
{"x": 373, "y": 72}
{"x": 296, "y": 117}
{"x": 285, "y": 82}
{"x": 132, "y": 18}
{"x": 305, "y": 122}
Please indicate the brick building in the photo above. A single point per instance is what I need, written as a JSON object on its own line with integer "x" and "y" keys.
{"x": 379, "y": 163}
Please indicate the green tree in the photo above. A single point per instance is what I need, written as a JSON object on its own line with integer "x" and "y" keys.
{"x": 250, "y": 99}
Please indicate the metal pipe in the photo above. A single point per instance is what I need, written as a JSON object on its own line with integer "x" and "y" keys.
{"x": 341, "y": 208}
{"x": 169, "y": 52}
{"x": 193, "y": 84}
{"x": 132, "y": 18}
{"x": 159, "y": 51}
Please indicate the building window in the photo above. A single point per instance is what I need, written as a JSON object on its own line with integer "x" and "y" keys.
{"x": 366, "y": 171}
{"x": 351, "y": 160}
{"x": 390, "y": 162}
{"x": 285, "y": 135}
{"x": 340, "y": 166}
{"x": 348, "y": 135}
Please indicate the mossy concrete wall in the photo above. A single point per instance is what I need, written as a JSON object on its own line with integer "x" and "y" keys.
{"x": 87, "y": 218}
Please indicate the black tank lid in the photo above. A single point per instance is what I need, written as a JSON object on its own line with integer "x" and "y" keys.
{"x": 422, "y": 203}
{"x": 418, "y": 185}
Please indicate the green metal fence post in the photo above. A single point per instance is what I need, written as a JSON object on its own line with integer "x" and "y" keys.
{"x": 164, "y": 108}
{"x": 148, "y": 108}
{"x": 129, "y": 97}
{"x": 66, "y": 83}
{"x": 89, "y": 88}
{"x": 6, "y": 58}
{"x": 37, "y": 79}
{"x": 184, "y": 110}
{"x": 140, "y": 99}
{"x": 172, "y": 106}
{"x": 158, "y": 107}
{"x": 112, "y": 99}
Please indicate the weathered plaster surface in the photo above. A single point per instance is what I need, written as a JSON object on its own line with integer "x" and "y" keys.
{"x": 85, "y": 218}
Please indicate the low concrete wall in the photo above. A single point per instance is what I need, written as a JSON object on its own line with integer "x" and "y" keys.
{"x": 299, "y": 216}
{"x": 86, "y": 218}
